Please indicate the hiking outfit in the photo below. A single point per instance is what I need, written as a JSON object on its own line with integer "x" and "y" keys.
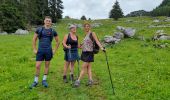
{"x": 44, "y": 48}
{"x": 71, "y": 54}
{"x": 44, "y": 52}
{"x": 87, "y": 49}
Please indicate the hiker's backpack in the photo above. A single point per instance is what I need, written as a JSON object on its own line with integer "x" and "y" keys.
{"x": 41, "y": 30}
{"x": 95, "y": 46}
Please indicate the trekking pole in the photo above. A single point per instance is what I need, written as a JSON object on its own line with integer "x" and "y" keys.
{"x": 78, "y": 61}
{"x": 109, "y": 72}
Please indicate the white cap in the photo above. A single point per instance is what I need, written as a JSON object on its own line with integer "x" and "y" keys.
{"x": 72, "y": 26}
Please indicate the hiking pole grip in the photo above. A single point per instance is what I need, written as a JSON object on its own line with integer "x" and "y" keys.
{"x": 109, "y": 73}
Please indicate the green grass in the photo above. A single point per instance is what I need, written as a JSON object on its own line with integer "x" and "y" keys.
{"x": 139, "y": 70}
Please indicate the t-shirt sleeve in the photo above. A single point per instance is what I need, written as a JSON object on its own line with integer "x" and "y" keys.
{"x": 55, "y": 33}
{"x": 37, "y": 31}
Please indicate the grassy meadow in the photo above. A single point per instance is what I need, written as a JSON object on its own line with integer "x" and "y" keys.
{"x": 139, "y": 70}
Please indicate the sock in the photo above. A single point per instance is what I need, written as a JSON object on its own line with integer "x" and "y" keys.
{"x": 45, "y": 77}
{"x": 36, "y": 79}
{"x": 64, "y": 77}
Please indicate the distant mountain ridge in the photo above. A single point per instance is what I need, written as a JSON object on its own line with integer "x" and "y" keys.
{"x": 162, "y": 10}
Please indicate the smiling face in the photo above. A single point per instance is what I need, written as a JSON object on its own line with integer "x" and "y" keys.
{"x": 73, "y": 30}
{"x": 87, "y": 27}
{"x": 48, "y": 22}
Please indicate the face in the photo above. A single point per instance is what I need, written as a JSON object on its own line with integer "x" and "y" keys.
{"x": 73, "y": 30}
{"x": 87, "y": 28}
{"x": 47, "y": 22}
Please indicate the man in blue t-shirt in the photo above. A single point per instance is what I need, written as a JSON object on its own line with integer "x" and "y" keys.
{"x": 45, "y": 52}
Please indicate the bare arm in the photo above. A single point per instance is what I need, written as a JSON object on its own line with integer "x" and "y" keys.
{"x": 34, "y": 40}
{"x": 57, "y": 44}
{"x": 97, "y": 41}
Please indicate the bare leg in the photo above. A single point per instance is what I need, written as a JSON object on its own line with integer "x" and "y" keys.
{"x": 47, "y": 64}
{"x": 84, "y": 67}
{"x": 38, "y": 66}
{"x": 72, "y": 67}
{"x": 89, "y": 71}
{"x": 66, "y": 67}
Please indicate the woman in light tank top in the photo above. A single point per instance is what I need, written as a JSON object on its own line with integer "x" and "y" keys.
{"x": 87, "y": 55}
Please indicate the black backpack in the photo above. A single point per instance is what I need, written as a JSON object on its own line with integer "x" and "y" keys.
{"x": 95, "y": 46}
{"x": 40, "y": 33}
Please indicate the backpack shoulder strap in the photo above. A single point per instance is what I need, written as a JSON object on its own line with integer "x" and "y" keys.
{"x": 68, "y": 37}
{"x": 77, "y": 37}
{"x": 40, "y": 32}
{"x": 52, "y": 34}
{"x": 91, "y": 36}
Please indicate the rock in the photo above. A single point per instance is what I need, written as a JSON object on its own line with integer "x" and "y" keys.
{"x": 111, "y": 39}
{"x": 3, "y": 33}
{"x": 160, "y": 35}
{"x": 116, "y": 40}
{"x": 167, "y": 19}
{"x": 118, "y": 35}
{"x": 129, "y": 32}
{"x": 108, "y": 39}
{"x": 156, "y": 21}
{"x": 163, "y": 37}
{"x": 120, "y": 28}
{"x": 94, "y": 25}
{"x": 21, "y": 32}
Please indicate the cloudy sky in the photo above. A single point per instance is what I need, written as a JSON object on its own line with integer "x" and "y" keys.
{"x": 99, "y": 9}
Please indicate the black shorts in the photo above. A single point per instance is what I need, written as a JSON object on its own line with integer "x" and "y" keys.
{"x": 44, "y": 54}
{"x": 87, "y": 56}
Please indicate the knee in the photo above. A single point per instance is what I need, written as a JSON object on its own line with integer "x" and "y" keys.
{"x": 47, "y": 66}
{"x": 38, "y": 67}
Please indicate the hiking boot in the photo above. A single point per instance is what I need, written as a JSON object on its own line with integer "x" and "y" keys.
{"x": 77, "y": 83}
{"x": 90, "y": 83}
{"x": 34, "y": 84}
{"x": 44, "y": 83}
{"x": 65, "y": 79}
{"x": 72, "y": 77}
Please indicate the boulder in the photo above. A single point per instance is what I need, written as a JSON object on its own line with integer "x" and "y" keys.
{"x": 118, "y": 35}
{"x": 21, "y": 32}
{"x": 129, "y": 32}
{"x": 3, "y": 33}
{"x": 111, "y": 39}
{"x": 164, "y": 37}
{"x": 108, "y": 39}
{"x": 120, "y": 28}
{"x": 160, "y": 35}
